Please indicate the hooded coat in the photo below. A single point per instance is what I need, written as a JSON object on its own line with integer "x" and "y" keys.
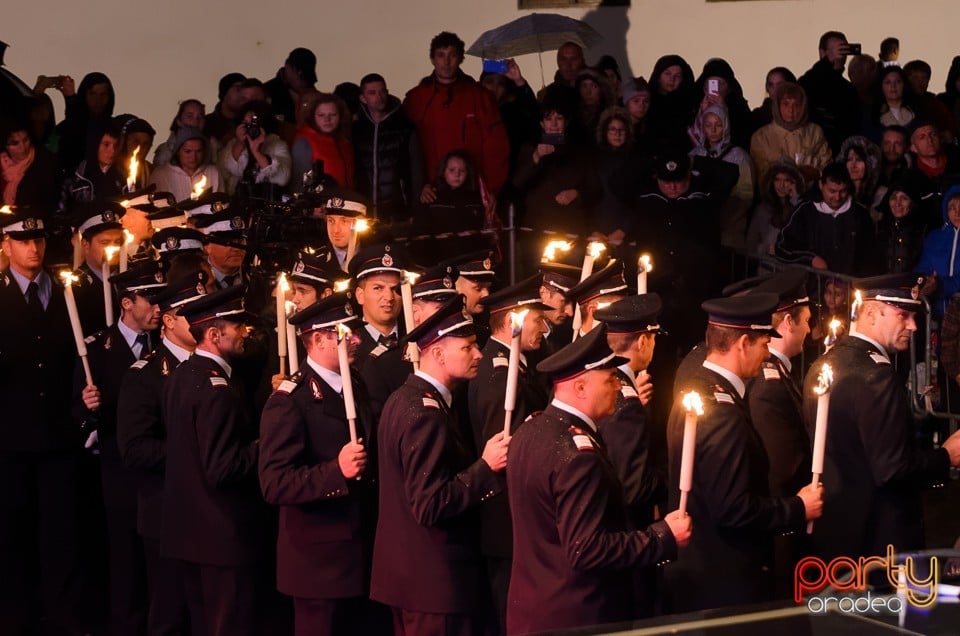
{"x": 801, "y": 141}
{"x": 80, "y": 130}
{"x": 868, "y": 195}
{"x": 772, "y": 213}
{"x": 940, "y": 255}
{"x": 900, "y": 241}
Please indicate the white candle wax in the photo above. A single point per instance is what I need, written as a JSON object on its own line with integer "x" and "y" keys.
{"x": 345, "y": 377}
{"x": 77, "y": 331}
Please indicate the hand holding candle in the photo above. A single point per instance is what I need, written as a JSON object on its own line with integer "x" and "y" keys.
{"x": 513, "y": 369}
{"x": 406, "y": 295}
{"x": 343, "y": 341}
{"x": 108, "y": 253}
{"x": 68, "y": 280}
{"x": 644, "y": 267}
{"x": 694, "y": 406}
{"x": 824, "y": 383}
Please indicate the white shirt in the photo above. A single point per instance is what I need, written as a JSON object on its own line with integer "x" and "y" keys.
{"x": 630, "y": 374}
{"x": 731, "y": 377}
{"x": 375, "y": 333}
{"x": 784, "y": 359}
{"x": 563, "y": 406}
{"x": 178, "y": 352}
{"x": 444, "y": 391}
{"x": 876, "y": 344}
{"x": 330, "y": 377}
{"x": 130, "y": 337}
{"x": 223, "y": 363}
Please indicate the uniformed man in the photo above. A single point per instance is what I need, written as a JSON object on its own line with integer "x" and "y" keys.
{"x": 432, "y": 289}
{"x": 604, "y": 286}
{"x": 171, "y": 242}
{"x": 207, "y": 203}
{"x": 872, "y": 468}
{"x": 212, "y": 508}
{"x": 40, "y": 449}
{"x": 98, "y": 226}
{"x": 426, "y": 562}
{"x": 321, "y": 480}
{"x": 557, "y": 281}
{"x": 572, "y": 550}
{"x": 475, "y": 277}
{"x": 486, "y": 394}
{"x": 225, "y": 246}
{"x": 142, "y": 441}
{"x": 341, "y": 210}
{"x": 736, "y": 516}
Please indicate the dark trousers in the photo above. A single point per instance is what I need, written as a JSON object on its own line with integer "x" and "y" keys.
{"x": 334, "y": 616}
{"x": 128, "y": 573}
{"x": 409, "y": 623}
{"x": 167, "y": 614}
{"x": 39, "y": 526}
{"x": 498, "y": 572}
{"x": 221, "y": 600}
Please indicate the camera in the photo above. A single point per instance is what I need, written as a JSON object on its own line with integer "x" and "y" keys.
{"x": 253, "y": 127}
{"x": 50, "y": 81}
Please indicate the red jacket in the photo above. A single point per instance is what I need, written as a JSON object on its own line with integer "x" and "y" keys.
{"x": 460, "y": 115}
{"x": 336, "y": 154}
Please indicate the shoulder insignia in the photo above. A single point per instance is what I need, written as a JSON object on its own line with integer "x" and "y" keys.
{"x": 533, "y": 415}
{"x": 770, "y": 374}
{"x": 429, "y": 402}
{"x": 879, "y": 358}
{"x": 108, "y": 342}
{"x": 580, "y": 439}
{"x": 315, "y": 389}
{"x": 378, "y": 351}
{"x": 139, "y": 364}
{"x": 500, "y": 362}
{"x": 90, "y": 339}
{"x": 725, "y": 398}
{"x": 164, "y": 365}
{"x": 218, "y": 381}
{"x": 629, "y": 392}
{"x": 287, "y": 387}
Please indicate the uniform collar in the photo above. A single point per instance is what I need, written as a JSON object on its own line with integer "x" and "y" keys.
{"x": 729, "y": 376}
{"x": 129, "y": 335}
{"x": 42, "y": 280}
{"x": 523, "y": 358}
{"x": 577, "y": 413}
{"x": 857, "y": 334}
{"x": 220, "y": 361}
{"x": 627, "y": 371}
{"x": 375, "y": 333}
{"x": 330, "y": 377}
{"x": 784, "y": 359}
{"x": 178, "y": 352}
{"x": 435, "y": 383}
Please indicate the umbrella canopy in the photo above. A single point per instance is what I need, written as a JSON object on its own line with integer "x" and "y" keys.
{"x": 534, "y": 33}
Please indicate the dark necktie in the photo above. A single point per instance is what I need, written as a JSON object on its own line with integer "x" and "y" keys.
{"x": 230, "y": 281}
{"x": 143, "y": 340}
{"x": 33, "y": 298}
{"x": 388, "y": 341}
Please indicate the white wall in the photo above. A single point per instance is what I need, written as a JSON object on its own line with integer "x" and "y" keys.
{"x": 162, "y": 52}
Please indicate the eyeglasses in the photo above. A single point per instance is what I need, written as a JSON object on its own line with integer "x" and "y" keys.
{"x": 616, "y": 131}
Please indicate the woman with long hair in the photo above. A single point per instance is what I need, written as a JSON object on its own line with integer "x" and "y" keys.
{"x": 324, "y": 136}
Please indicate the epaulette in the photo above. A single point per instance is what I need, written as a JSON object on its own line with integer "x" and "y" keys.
{"x": 94, "y": 336}
{"x": 627, "y": 390}
{"x": 216, "y": 379}
{"x": 378, "y": 351}
{"x": 721, "y": 396}
{"x": 879, "y": 358}
{"x": 533, "y": 415}
{"x": 581, "y": 439}
{"x": 139, "y": 364}
{"x": 500, "y": 361}
{"x": 287, "y": 386}
{"x": 430, "y": 402}
{"x": 770, "y": 371}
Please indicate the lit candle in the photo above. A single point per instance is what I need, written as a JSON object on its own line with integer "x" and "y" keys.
{"x": 108, "y": 253}
{"x": 513, "y": 370}
{"x": 198, "y": 188}
{"x": 291, "y": 330}
{"x": 406, "y": 295}
{"x": 831, "y": 339}
{"x": 68, "y": 280}
{"x": 694, "y": 406}
{"x": 824, "y": 382}
{"x": 125, "y": 251}
{"x": 281, "y": 299}
{"x": 855, "y": 311}
{"x": 343, "y": 340}
{"x": 360, "y": 225}
{"x": 644, "y": 267}
{"x": 550, "y": 251}
{"x": 6, "y": 209}
{"x": 594, "y": 248}
{"x": 132, "y": 173}
{"x": 341, "y": 285}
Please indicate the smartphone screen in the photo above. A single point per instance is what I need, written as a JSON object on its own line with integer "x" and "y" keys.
{"x": 495, "y": 66}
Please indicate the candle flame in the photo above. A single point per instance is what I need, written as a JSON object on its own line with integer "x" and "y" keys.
{"x": 309, "y": 250}
{"x": 282, "y": 285}
{"x": 290, "y": 308}
{"x": 824, "y": 380}
{"x": 516, "y": 321}
{"x": 199, "y": 187}
{"x": 550, "y": 252}
{"x": 361, "y": 225}
{"x": 6, "y": 210}
{"x": 341, "y": 285}
{"x": 594, "y": 248}
{"x": 692, "y": 402}
{"x": 134, "y": 166}
{"x": 410, "y": 278}
{"x": 855, "y": 308}
{"x": 645, "y": 264}
{"x": 127, "y": 237}
{"x": 835, "y": 327}
{"x": 343, "y": 331}
{"x": 68, "y": 277}
{"x": 109, "y": 251}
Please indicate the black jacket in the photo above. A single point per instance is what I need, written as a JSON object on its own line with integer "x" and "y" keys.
{"x": 38, "y": 188}
{"x": 833, "y": 102}
{"x": 844, "y": 241}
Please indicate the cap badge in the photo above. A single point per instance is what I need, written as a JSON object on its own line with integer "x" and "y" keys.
{"x": 217, "y": 206}
{"x": 158, "y": 277}
{"x": 201, "y": 289}
{"x": 108, "y": 216}
{"x": 335, "y": 202}
{"x": 347, "y": 309}
{"x": 298, "y": 267}
{"x": 671, "y": 166}
{"x": 172, "y": 242}
{"x": 236, "y": 223}
{"x": 915, "y": 292}
{"x": 448, "y": 282}
{"x": 487, "y": 264}
{"x": 387, "y": 260}
{"x": 30, "y": 224}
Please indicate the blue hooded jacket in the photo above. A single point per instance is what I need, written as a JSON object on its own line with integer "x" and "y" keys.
{"x": 940, "y": 255}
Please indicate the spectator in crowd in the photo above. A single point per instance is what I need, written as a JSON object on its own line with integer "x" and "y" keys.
{"x": 935, "y": 160}
{"x": 99, "y": 176}
{"x": 713, "y": 142}
{"x": 28, "y": 173}
{"x": 519, "y": 108}
{"x": 902, "y": 227}
{"x": 559, "y": 185}
{"x": 191, "y": 112}
{"x": 889, "y": 51}
{"x": 673, "y": 102}
{"x": 296, "y": 77}
{"x": 450, "y": 110}
{"x": 219, "y": 125}
{"x": 88, "y": 114}
{"x": 188, "y": 166}
{"x": 779, "y": 197}
{"x": 595, "y": 95}
{"x": 39, "y": 114}
{"x": 862, "y": 160}
{"x": 833, "y": 100}
{"x": 763, "y": 114}
{"x": 718, "y": 85}
{"x": 388, "y": 158}
{"x": 636, "y": 99}
{"x": 894, "y": 105}
{"x": 610, "y": 70}
{"x": 324, "y": 136}
{"x": 951, "y": 95}
{"x": 457, "y": 211}
{"x": 862, "y": 71}
{"x": 613, "y": 155}
{"x": 832, "y": 231}
{"x": 136, "y": 136}
{"x": 570, "y": 62}
{"x": 894, "y": 158}
{"x": 939, "y": 255}
{"x": 918, "y": 80}
{"x": 789, "y": 135}
{"x": 256, "y": 161}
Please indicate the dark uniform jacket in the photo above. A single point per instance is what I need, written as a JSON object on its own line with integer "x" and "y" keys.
{"x": 88, "y": 291}
{"x": 728, "y": 558}
{"x": 626, "y": 436}
{"x": 212, "y": 509}
{"x": 485, "y": 397}
{"x": 142, "y": 433}
{"x": 427, "y": 557}
{"x": 774, "y": 400}
{"x": 572, "y": 550}
{"x": 382, "y": 369}
{"x": 872, "y": 471}
{"x": 37, "y": 354}
{"x": 326, "y": 521}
